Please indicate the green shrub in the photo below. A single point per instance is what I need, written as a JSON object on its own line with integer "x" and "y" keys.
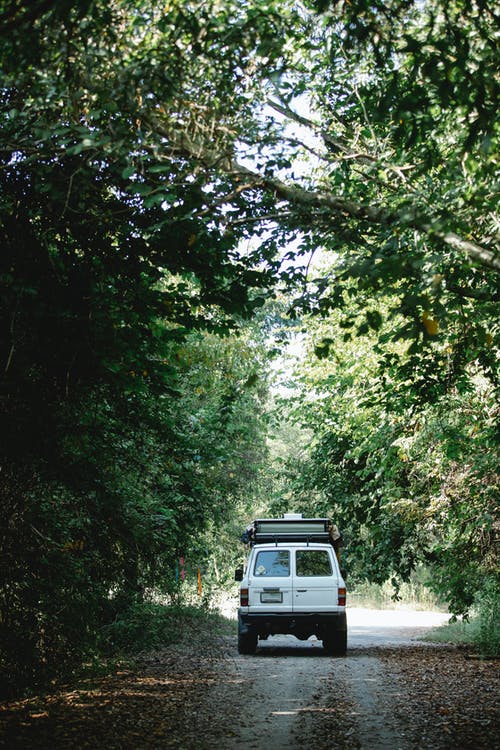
{"x": 146, "y": 625}
{"x": 481, "y": 631}
{"x": 488, "y": 610}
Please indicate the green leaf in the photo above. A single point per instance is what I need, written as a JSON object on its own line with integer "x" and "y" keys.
{"x": 128, "y": 172}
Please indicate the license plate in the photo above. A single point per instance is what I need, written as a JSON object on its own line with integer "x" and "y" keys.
{"x": 271, "y": 597}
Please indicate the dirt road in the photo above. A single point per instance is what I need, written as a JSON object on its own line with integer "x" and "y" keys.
{"x": 295, "y": 692}
{"x": 388, "y": 692}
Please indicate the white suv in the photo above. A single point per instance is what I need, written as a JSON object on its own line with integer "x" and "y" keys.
{"x": 292, "y": 584}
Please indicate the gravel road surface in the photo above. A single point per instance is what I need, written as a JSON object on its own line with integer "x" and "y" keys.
{"x": 390, "y": 691}
{"x": 290, "y": 681}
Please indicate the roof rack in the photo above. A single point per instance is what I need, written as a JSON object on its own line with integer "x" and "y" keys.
{"x": 291, "y": 528}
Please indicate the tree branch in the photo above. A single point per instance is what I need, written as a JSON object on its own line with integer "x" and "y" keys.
{"x": 482, "y": 255}
{"x": 375, "y": 214}
{"x": 337, "y": 143}
{"x": 296, "y": 195}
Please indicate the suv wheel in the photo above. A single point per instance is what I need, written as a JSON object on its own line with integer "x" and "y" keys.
{"x": 247, "y": 643}
{"x": 335, "y": 644}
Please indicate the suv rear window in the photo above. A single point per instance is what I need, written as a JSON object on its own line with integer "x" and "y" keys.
{"x": 272, "y": 563}
{"x": 313, "y": 562}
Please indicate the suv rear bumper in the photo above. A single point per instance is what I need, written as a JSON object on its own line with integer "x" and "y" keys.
{"x": 300, "y": 624}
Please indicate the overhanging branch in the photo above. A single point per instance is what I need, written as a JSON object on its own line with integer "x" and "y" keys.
{"x": 374, "y": 214}
{"x": 296, "y": 195}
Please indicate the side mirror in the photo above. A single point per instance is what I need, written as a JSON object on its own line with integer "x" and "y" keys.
{"x": 238, "y": 574}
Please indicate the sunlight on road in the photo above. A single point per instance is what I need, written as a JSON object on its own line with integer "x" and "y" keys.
{"x": 374, "y": 627}
{"x": 366, "y": 627}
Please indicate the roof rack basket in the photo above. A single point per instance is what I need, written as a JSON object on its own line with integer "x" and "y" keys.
{"x": 291, "y": 528}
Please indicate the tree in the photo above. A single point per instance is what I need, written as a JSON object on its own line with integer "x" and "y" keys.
{"x": 138, "y": 479}
{"x": 392, "y": 171}
{"x": 153, "y": 164}
{"x": 108, "y": 269}
{"x": 408, "y": 483}
{"x": 127, "y": 132}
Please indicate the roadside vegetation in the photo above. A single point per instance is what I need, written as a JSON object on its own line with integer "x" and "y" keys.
{"x": 146, "y": 626}
{"x": 479, "y": 629}
{"x": 187, "y": 192}
{"x": 413, "y": 594}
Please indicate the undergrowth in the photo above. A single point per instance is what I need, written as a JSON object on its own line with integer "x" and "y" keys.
{"x": 411, "y": 595}
{"x": 481, "y": 631}
{"x": 138, "y": 628}
{"x": 146, "y": 625}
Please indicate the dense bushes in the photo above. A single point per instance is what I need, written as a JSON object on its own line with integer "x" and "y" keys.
{"x": 145, "y": 625}
{"x": 135, "y": 481}
{"x": 411, "y": 481}
{"x": 488, "y": 610}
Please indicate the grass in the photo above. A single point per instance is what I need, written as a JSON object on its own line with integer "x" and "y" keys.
{"x": 460, "y": 633}
{"x": 481, "y": 632}
{"x": 412, "y": 595}
{"x": 478, "y": 633}
{"x": 146, "y": 625}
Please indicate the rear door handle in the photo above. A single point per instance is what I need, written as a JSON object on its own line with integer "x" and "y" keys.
{"x": 301, "y": 591}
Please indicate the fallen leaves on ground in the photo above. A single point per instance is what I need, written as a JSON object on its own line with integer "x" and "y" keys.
{"x": 448, "y": 698}
{"x": 194, "y": 697}
{"x": 432, "y": 697}
{"x": 169, "y": 699}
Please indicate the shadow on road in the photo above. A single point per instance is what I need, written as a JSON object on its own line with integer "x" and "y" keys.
{"x": 304, "y": 651}
{"x": 288, "y": 645}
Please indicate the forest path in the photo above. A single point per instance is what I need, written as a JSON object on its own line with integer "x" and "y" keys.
{"x": 388, "y": 692}
{"x": 291, "y": 683}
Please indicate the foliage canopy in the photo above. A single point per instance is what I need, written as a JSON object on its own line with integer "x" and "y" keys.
{"x": 164, "y": 170}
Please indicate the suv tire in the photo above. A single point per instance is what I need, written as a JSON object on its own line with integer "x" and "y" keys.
{"x": 335, "y": 644}
{"x": 247, "y": 643}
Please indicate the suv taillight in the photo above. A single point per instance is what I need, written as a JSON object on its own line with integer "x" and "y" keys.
{"x": 342, "y": 594}
{"x": 244, "y": 597}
